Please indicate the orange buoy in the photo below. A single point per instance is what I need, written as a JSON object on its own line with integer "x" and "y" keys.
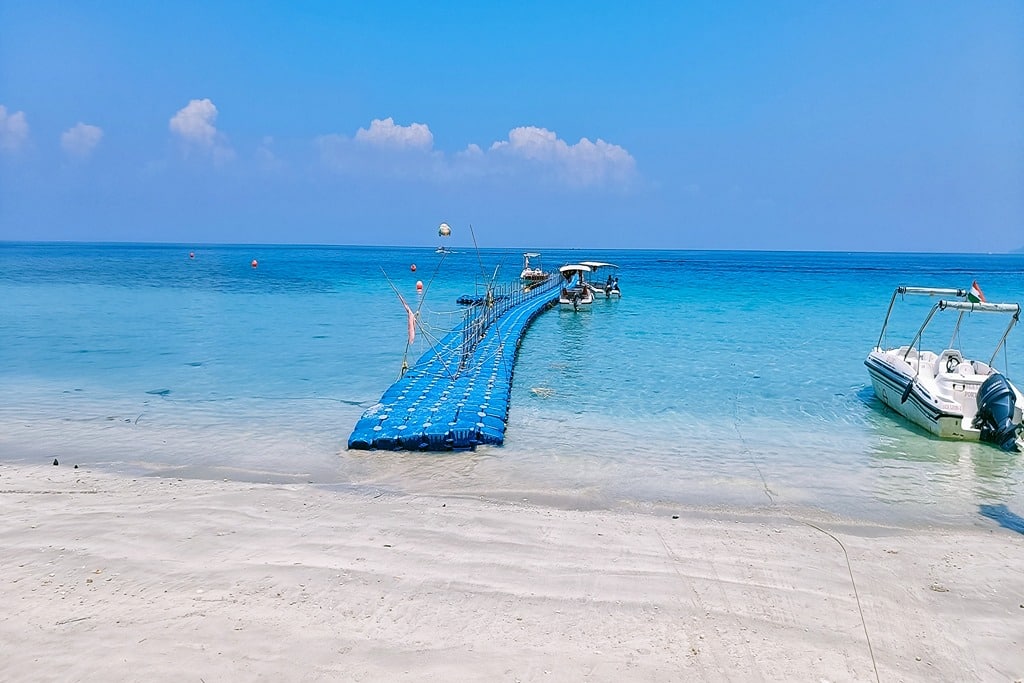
{"x": 413, "y": 267}
{"x": 419, "y": 285}
{"x": 254, "y": 263}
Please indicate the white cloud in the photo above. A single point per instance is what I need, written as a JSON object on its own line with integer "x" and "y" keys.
{"x": 194, "y": 124}
{"x": 13, "y": 130}
{"x": 385, "y": 133}
{"x": 582, "y": 164}
{"x": 529, "y": 152}
{"x": 81, "y": 140}
{"x": 384, "y": 149}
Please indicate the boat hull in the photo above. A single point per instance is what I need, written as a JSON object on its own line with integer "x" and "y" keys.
{"x": 918, "y": 405}
{"x": 943, "y": 392}
{"x": 575, "y": 299}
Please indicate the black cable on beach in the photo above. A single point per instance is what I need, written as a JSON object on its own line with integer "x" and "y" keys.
{"x": 849, "y": 567}
{"x": 746, "y": 449}
{"x": 856, "y": 595}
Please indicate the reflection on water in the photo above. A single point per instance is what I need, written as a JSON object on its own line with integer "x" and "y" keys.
{"x": 916, "y": 467}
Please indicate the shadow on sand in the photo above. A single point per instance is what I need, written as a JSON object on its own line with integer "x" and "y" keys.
{"x": 1002, "y": 515}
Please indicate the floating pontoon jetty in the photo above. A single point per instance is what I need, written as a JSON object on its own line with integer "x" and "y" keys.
{"x": 456, "y": 396}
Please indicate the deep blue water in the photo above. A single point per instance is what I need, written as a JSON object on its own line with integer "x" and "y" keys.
{"x": 719, "y": 379}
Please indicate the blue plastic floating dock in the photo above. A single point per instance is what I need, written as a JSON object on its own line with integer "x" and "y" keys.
{"x": 456, "y": 396}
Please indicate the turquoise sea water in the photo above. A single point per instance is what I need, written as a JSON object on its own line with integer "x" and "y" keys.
{"x": 719, "y": 379}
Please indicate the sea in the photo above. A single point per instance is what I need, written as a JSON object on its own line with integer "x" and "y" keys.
{"x": 720, "y": 381}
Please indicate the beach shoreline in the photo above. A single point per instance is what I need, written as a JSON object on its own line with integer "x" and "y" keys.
{"x": 116, "y": 577}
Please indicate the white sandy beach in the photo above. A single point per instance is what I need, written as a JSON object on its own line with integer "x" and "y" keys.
{"x": 145, "y": 579}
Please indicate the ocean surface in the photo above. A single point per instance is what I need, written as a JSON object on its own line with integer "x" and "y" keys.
{"x": 720, "y": 379}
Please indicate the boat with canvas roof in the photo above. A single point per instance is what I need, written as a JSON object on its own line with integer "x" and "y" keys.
{"x": 610, "y": 287}
{"x": 532, "y": 273}
{"x": 576, "y": 292}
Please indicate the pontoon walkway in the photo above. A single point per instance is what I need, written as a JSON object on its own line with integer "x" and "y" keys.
{"x": 456, "y": 396}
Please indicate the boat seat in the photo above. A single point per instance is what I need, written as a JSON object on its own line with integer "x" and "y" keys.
{"x": 966, "y": 369}
{"x": 946, "y": 360}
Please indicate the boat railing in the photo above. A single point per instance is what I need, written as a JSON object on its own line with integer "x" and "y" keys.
{"x": 969, "y": 307}
{"x": 497, "y": 301}
{"x": 927, "y": 291}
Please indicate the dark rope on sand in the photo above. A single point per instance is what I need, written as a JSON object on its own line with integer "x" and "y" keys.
{"x": 746, "y": 449}
{"x": 856, "y": 595}
{"x": 849, "y": 567}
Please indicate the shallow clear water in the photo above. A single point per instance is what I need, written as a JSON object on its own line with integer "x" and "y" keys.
{"x": 720, "y": 378}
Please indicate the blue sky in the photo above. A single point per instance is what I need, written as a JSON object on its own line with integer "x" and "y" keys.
{"x": 869, "y": 126}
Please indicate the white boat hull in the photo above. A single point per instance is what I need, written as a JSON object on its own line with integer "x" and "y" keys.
{"x": 920, "y": 407}
{"x": 576, "y": 299}
{"x": 944, "y": 403}
{"x": 950, "y": 396}
{"x": 602, "y": 292}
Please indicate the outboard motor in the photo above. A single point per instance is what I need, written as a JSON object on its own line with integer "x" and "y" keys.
{"x": 996, "y": 402}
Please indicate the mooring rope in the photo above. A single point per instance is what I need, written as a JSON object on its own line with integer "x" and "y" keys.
{"x": 856, "y": 595}
{"x": 746, "y": 449}
{"x": 849, "y": 567}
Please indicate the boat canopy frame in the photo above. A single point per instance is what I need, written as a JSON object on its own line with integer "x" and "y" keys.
{"x": 568, "y": 271}
{"x": 960, "y": 304}
{"x": 969, "y": 307}
{"x": 927, "y": 291}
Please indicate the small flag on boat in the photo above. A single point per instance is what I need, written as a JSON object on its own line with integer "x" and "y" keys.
{"x": 975, "y": 296}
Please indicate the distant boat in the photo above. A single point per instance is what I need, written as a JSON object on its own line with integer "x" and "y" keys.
{"x": 610, "y": 287}
{"x": 444, "y": 250}
{"x": 535, "y": 273}
{"x": 575, "y": 294}
{"x": 951, "y": 396}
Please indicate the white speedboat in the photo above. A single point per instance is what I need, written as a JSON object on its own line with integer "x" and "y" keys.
{"x": 951, "y": 396}
{"x": 532, "y": 273}
{"x": 610, "y": 287}
{"x": 576, "y": 293}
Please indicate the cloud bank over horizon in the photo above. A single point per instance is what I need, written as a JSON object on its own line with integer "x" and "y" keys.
{"x": 527, "y": 152}
{"x": 383, "y": 149}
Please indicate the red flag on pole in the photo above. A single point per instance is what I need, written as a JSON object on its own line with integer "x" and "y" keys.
{"x": 975, "y": 295}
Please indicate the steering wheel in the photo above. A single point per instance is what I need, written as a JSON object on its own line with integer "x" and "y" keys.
{"x": 951, "y": 363}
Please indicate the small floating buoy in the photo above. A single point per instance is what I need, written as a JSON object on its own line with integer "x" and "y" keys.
{"x": 419, "y": 285}
{"x": 254, "y": 263}
{"x": 413, "y": 267}
{"x": 191, "y": 254}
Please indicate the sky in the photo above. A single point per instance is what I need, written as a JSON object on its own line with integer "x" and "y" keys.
{"x": 783, "y": 125}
